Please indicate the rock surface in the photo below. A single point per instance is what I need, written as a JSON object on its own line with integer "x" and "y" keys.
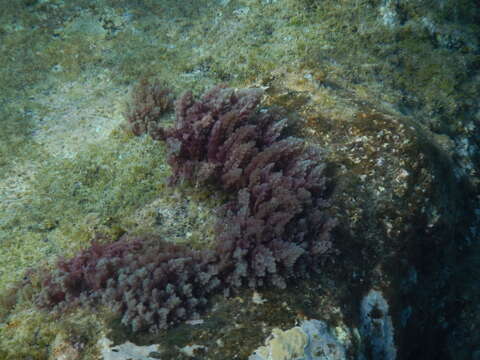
{"x": 387, "y": 89}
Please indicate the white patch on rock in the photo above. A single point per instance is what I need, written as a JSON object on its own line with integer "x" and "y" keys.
{"x": 189, "y": 350}
{"x": 377, "y": 328}
{"x": 312, "y": 340}
{"x": 126, "y": 351}
{"x": 257, "y": 298}
{"x": 389, "y": 13}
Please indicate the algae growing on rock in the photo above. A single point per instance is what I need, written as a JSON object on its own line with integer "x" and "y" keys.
{"x": 385, "y": 89}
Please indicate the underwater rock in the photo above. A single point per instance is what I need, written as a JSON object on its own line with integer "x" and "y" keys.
{"x": 401, "y": 212}
{"x": 400, "y": 207}
{"x": 391, "y": 190}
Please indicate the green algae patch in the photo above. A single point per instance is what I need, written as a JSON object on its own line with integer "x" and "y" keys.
{"x": 15, "y": 139}
{"x": 68, "y": 201}
{"x": 29, "y": 334}
{"x": 412, "y": 63}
